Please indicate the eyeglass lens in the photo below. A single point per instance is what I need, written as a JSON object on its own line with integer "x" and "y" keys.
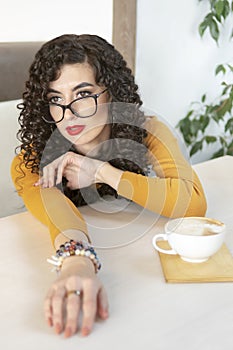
{"x": 82, "y": 108}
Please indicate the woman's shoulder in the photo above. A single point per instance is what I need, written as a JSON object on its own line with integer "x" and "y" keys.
{"x": 158, "y": 128}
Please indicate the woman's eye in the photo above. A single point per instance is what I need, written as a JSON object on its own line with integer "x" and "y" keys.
{"x": 54, "y": 99}
{"x": 84, "y": 93}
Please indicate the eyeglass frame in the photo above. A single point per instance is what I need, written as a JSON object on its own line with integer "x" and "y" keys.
{"x": 65, "y": 107}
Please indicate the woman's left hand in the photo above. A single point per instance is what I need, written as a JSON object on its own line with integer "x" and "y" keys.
{"x": 63, "y": 306}
{"x": 80, "y": 171}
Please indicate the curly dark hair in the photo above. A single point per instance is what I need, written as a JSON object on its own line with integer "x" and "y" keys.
{"x": 110, "y": 70}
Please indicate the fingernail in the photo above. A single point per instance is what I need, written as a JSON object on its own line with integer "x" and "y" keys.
{"x": 68, "y": 332}
{"x": 58, "y": 328}
{"x": 50, "y": 322}
{"x": 85, "y": 331}
{"x": 105, "y": 314}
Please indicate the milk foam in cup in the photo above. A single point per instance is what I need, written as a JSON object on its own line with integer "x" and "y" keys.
{"x": 194, "y": 239}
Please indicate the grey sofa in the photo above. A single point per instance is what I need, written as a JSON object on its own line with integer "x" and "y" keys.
{"x": 15, "y": 59}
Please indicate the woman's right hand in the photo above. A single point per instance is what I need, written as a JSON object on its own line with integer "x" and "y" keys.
{"x": 63, "y": 309}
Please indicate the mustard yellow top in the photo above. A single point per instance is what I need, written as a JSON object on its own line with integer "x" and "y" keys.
{"x": 175, "y": 191}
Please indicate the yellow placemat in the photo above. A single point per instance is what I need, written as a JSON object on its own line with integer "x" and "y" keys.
{"x": 218, "y": 268}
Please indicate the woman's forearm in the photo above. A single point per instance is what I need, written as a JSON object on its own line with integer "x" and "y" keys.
{"x": 69, "y": 234}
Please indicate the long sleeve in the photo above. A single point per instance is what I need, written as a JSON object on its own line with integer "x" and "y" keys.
{"x": 50, "y": 206}
{"x": 175, "y": 191}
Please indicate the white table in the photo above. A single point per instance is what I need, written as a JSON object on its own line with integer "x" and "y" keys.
{"x": 145, "y": 311}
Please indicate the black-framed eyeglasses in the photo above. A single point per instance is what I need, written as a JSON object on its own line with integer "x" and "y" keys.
{"x": 82, "y": 107}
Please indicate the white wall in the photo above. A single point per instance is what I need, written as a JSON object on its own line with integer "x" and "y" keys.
{"x": 174, "y": 66}
{"x": 30, "y": 20}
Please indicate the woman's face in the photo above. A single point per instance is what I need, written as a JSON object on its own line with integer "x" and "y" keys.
{"x": 75, "y": 81}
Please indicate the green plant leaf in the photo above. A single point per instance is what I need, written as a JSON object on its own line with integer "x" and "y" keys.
{"x": 183, "y": 122}
{"x": 225, "y": 90}
{"x": 210, "y": 109}
{"x": 194, "y": 127}
{"x": 229, "y": 126}
{"x": 196, "y": 147}
{"x": 214, "y": 31}
{"x": 224, "y": 107}
{"x": 226, "y": 9}
{"x": 230, "y": 149}
{"x": 203, "y": 98}
{"x": 215, "y": 112}
{"x": 212, "y": 3}
{"x": 220, "y": 68}
{"x": 231, "y": 93}
{"x": 230, "y": 67}
{"x": 204, "y": 122}
{"x": 218, "y": 18}
{"x": 184, "y": 127}
{"x": 202, "y": 28}
{"x": 219, "y": 153}
{"x": 189, "y": 113}
{"x": 210, "y": 139}
{"x": 231, "y": 36}
{"x": 219, "y": 6}
{"x": 223, "y": 141}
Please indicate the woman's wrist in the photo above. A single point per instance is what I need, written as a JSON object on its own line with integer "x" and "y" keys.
{"x": 72, "y": 249}
{"x": 77, "y": 265}
{"x": 109, "y": 175}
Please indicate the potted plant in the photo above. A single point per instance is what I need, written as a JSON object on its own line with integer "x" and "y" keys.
{"x": 211, "y": 123}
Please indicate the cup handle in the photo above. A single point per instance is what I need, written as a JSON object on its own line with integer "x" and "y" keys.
{"x": 163, "y": 237}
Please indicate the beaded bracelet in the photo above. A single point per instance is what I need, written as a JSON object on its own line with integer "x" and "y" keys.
{"x": 72, "y": 248}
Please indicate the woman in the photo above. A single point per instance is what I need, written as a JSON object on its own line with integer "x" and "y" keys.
{"x": 84, "y": 136}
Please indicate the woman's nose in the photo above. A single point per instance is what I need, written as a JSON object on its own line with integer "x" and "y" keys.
{"x": 68, "y": 114}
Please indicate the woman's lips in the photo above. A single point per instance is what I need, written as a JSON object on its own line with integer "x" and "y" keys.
{"x": 75, "y": 129}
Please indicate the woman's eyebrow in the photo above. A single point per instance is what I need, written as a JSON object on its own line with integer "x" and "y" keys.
{"x": 82, "y": 85}
{"x": 52, "y": 90}
{"x": 79, "y": 86}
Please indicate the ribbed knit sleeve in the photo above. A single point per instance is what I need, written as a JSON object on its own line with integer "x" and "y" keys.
{"x": 49, "y": 205}
{"x": 176, "y": 190}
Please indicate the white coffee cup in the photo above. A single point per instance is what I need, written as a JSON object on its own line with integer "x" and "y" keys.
{"x": 194, "y": 239}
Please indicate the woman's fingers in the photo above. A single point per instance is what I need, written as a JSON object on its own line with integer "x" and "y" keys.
{"x": 57, "y": 307}
{"x": 48, "y": 177}
{"x": 90, "y": 290}
{"x": 102, "y": 304}
{"x": 49, "y": 173}
{"x": 80, "y": 171}
{"x": 67, "y": 162}
{"x": 48, "y": 308}
{"x": 53, "y": 308}
{"x": 73, "y": 306}
{"x": 66, "y": 299}
{"x": 73, "y": 286}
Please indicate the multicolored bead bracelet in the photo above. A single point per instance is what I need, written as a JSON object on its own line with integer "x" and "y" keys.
{"x": 72, "y": 248}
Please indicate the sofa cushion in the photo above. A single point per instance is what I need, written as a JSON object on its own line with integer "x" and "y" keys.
{"x": 10, "y": 202}
{"x": 15, "y": 60}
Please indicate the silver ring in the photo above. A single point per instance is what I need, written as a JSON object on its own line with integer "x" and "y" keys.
{"x": 74, "y": 291}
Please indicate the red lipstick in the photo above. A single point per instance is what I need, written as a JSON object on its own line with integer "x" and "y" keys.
{"x": 75, "y": 129}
